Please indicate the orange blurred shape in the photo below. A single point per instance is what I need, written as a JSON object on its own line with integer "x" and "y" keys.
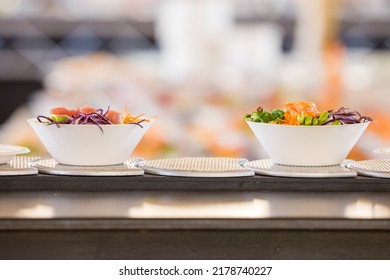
{"x": 357, "y": 154}
{"x": 152, "y": 145}
{"x": 293, "y": 109}
{"x": 331, "y": 94}
{"x": 380, "y": 125}
{"x": 222, "y": 151}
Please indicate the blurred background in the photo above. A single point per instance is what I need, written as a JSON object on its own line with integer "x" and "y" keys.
{"x": 198, "y": 65}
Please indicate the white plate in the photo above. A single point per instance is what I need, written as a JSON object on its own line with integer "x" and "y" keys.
{"x": 383, "y": 151}
{"x": 266, "y": 167}
{"x": 7, "y": 152}
{"x": 50, "y": 166}
{"x": 197, "y": 167}
{"x": 20, "y": 165}
{"x": 372, "y": 167}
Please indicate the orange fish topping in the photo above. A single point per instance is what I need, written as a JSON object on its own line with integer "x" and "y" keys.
{"x": 293, "y": 109}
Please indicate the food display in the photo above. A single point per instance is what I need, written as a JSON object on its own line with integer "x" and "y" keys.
{"x": 90, "y": 115}
{"x": 301, "y": 135}
{"x": 306, "y": 113}
{"x": 71, "y": 138}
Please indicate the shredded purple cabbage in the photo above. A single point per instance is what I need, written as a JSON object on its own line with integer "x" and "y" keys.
{"x": 346, "y": 116}
{"x": 97, "y": 118}
{"x": 47, "y": 120}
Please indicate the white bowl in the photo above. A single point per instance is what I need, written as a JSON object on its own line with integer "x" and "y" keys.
{"x": 87, "y": 145}
{"x": 307, "y": 145}
{"x": 8, "y": 152}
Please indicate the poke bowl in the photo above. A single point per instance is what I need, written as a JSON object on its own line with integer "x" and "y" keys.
{"x": 296, "y": 139}
{"x": 90, "y": 137}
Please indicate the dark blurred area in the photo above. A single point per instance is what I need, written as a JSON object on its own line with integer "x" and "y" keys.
{"x": 15, "y": 93}
{"x": 168, "y": 57}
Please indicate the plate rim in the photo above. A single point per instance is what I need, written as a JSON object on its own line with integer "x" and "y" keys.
{"x": 381, "y": 151}
{"x": 18, "y": 150}
{"x": 321, "y": 174}
{"x": 244, "y": 172}
{"x": 83, "y": 171}
{"x": 368, "y": 172}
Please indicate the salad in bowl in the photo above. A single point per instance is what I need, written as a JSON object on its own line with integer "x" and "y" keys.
{"x": 299, "y": 134}
{"x": 88, "y": 136}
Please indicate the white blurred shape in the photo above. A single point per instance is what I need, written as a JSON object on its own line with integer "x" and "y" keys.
{"x": 39, "y": 211}
{"x": 9, "y": 8}
{"x": 191, "y": 34}
{"x": 301, "y": 76}
{"x": 366, "y": 209}
{"x": 251, "y": 57}
{"x": 358, "y": 77}
{"x": 257, "y": 208}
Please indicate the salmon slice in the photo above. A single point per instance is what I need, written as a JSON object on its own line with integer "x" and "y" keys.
{"x": 294, "y": 109}
{"x": 62, "y": 111}
{"x": 114, "y": 116}
{"x": 86, "y": 109}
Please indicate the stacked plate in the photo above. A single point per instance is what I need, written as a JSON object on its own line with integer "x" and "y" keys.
{"x": 266, "y": 167}
{"x": 374, "y": 168}
{"x": 8, "y": 152}
{"x": 50, "y": 166}
{"x": 197, "y": 167}
{"x": 11, "y": 165}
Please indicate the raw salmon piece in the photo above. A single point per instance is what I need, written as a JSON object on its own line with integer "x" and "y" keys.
{"x": 62, "y": 111}
{"x": 87, "y": 109}
{"x": 302, "y": 107}
{"x": 74, "y": 112}
{"x": 293, "y": 109}
{"x": 114, "y": 116}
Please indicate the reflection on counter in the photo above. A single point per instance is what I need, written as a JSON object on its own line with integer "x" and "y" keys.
{"x": 38, "y": 211}
{"x": 226, "y": 209}
{"x": 367, "y": 209}
{"x": 184, "y": 205}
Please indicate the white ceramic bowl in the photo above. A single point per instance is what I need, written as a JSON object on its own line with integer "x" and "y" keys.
{"x": 307, "y": 145}
{"x": 87, "y": 145}
{"x": 8, "y": 152}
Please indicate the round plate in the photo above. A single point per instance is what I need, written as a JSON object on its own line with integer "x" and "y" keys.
{"x": 7, "y": 152}
{"x": 373, "y": 167}
{"x": 50, "y": 166}
{"x": 383, "y": 151}
{"x": 197, "y": 167}
{"x": 20, "y": 165}
{"x": 266, "y": 167}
